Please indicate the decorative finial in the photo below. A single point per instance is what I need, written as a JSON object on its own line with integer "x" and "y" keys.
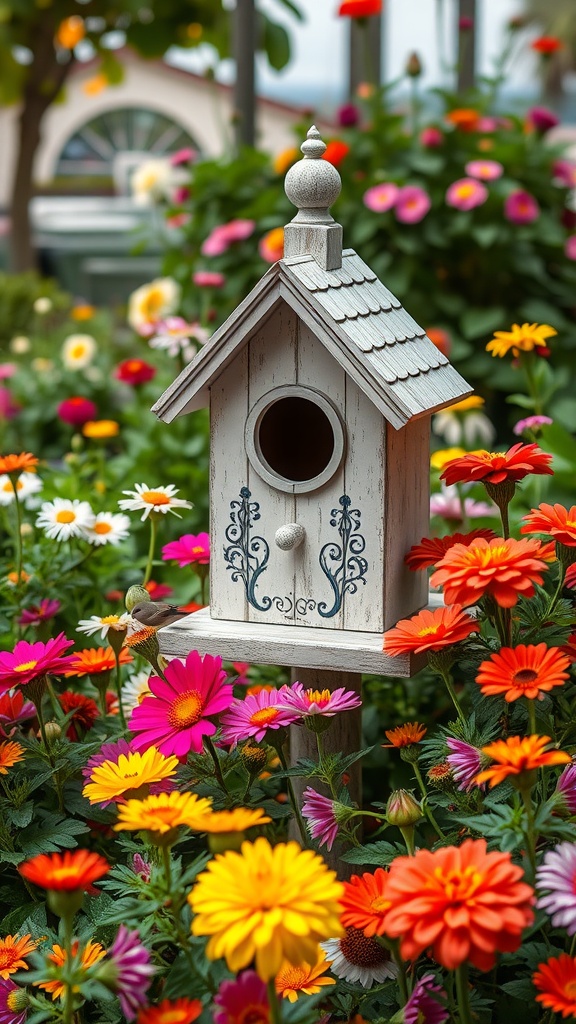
{"x": 312, "y": 185}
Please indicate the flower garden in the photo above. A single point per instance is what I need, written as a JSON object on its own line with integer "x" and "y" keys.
{"x": 165, "y": 858}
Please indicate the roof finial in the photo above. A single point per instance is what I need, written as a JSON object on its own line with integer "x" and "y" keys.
{"x": 313, "y": 185}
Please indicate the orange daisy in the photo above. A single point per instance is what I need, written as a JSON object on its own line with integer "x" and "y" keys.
{"x": 464, "y": 118}
{"x": 10, "y": 753}
{"x": 555, "y": 520}
{"x": 365, "y": 902}
{"x": 405, "y": 735}
{"x": 518, "y": 755}
{"x": 498, "y": 467}
{"x": 12, "y": 952}
{"x": 93, "y": 660}
{"x": 65, "y": 872}
{"x": 25, "y": 462}
{"x": 461, "y": 903}
{"x": 523, "y": 671}
{"x": 431, "y": 549}
{"x": 504, "y": 569}
{"x": 91, "y": 953}
{"x": 430, "y": 630}
{"x": 556, "y": 982}
{"x": 181, "y": 1011}
{"x": 308, "y": 979}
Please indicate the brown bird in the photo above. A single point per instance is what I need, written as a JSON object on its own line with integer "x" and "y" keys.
{"x": 157, "y": 613}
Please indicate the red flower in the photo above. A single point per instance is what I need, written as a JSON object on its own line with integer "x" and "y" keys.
{"x": 431, "y": 549}
{"x": 336, "y": 151}
{"x": 505, "y": 569}
{"x": 555, "y": 520}
{"x": 523, "y": 671}
{"x": 547, "y": 45}
{"x": 65, "y": 872}
{"x": 84, "y": 713}
{"x": 77, "y": 411}
{"x": 157, "y": 591}
{"x": 429, "y": 631}
{"x": 496, "y": 467}
{"x": 134, "y": 371}
{"x": 556, "y": 982}
{"x": 359, "y": 8}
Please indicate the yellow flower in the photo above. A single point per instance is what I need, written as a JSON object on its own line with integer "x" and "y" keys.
{"x": 95, "y": 85}
{"x": 266, "y": 903}
{"x": 82, "y": 312}
{"x": 472, "y": 402}
{"x": 151, "y": 302}
{"x": 163, "y": 812}
{"x": 520, "y": 339}
{"x": 285, "y": 159}
{"x": 99, "y": 429}
{"x": 439, "y": 459}
{"x": 90, "y": 955}
{"x": 111, "y": 780}
{"x": 237, "y": 820}
{"x": 292, "y": 981}
{"x": 78, "y": 351}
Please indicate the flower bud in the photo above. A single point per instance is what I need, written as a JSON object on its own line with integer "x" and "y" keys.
{"x": 117, "y": 635}
{"x": 402, "y": 809}
{"x": 253, "y": 758}
{"x": 440, "y": 777}
{"x": 134, "y": 595}
{"x": 413, "y": 66}
{"x": 53, "y": 731}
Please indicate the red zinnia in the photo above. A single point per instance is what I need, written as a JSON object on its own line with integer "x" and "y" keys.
{"x": 431, "y": 549}
{"x": 523, "y": 671}
{"x": 555, "y": 520}
{"x": 134, "y": 371}
{"x": 65, "y": 872}
{"x": 505, "y": 569}
{"x": 359, "y": 8}
{"x": 84, "y": 713}
{"x": 429, "y": 631}
{"x": 76, "y": 411}
{"x": 336, "y": 151}
{"x": 496, "y": 467}
{"x": 546, "y": 45}
{"x": 556, "y": 981}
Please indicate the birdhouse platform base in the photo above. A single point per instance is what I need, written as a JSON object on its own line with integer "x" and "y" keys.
{"x": 271, "y": 644}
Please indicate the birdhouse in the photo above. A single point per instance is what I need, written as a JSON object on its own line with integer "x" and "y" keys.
{"x": 320, "y": 387}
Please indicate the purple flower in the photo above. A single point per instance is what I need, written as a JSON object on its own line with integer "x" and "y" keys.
{"x": 38, "y": 613}
{"x": 131, "y": 971}
{"x": 424, "y": 1006}
{"x": 465, "y": 762}
{"x": 320, "y": 814}
{"x": 521, "y": 208}
{"x": 107, "y": 752}
{"x": 557, "y": 876}
{"x": 348, "y": 115}
{"x": 13, "y": 1002}
{"x": 307, "y": 703}
{"x": 253, "y": 716}
{"x": 141, "y": 867}
{"x": 381, "y": 197}
{"x": 412, "y": 204}
{"x": 566, "y": 788}
{"x": 242, "y": 999}
{"x": 570, "y": 248}
{"x": 531, "y": 423}
{"x": 542, "y": 119}
{"x": 465, "y": 24}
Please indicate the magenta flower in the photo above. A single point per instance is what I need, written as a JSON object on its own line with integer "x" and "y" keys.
{"x": 7, "y": 370}
{"x": 9, "y": 407}
{"x": 191, "y": 549}
{"x": 566, "y": 788}
{"x": 14, "y": 709}
{"x": 320, "y": 814}
{"x": 108, "y": 752}
{"x": 381, "y": 197}
{"x": 176, "y": 718}
{"x": 465, "y": 762}
{"x": 466, "y": 193}
{"x": 208, "y": 279}
{"x": 141, "y": 867}
{"x": 187, "y": 155}
{"x": 254, "y": 716}
{"x": 564, "y": 173}
{"x": 427, "y": 1004}
{"x": 224, "y": 235}
{"x": 557, "y": 877}
{"x": 307, "y": 703}
{"x": 13, "y": 1002}
{"x": 76, "y": 411}
{"x": 570, "y": 247}
{"x": 38, "y": 613}
{"x": 484, "y": 170}
{"x": 348, "y": 115}
{"x": 542, "y": 119}
{"x": 412, "y": 204}
{"x": 27, "y": 661}
{"x": 531, "y": 423}
{"x": 521, "y": 208}
{"x": 235, "y": 997}
{"x": 127, "y": 971}
{"x": 487, "y": 125}
{"x": 431, "y": 137}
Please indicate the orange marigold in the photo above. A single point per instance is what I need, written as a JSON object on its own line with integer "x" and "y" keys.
{"x": 65, "y": 872}
{"x": 555, "y": 520}
{"x": 93, "y": 660}
{"x": 527, "y": 670}
{"x": 13, "y": 949}
{"x": 181, "y": 1011}
{"x": 10, "y": 753}
{"x": 464, "y": 118}
{"x": 556, "y": 983}
{"x": 90, "y": 954}
{"x": 462, "y": 903}
{"x": 497, "y": 467}
{"x": 518, "y": 755}
{"x": 430, "y": 630}
{"x": 504, "y": 569}
{"x": 25, "y": 462}
{"x": 405, "y": 735}
{"x": 365, "y": 902}
{"x": 431, "y": 549}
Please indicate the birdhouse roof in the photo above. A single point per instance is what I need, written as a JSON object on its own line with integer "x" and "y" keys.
{"x": 361, "y": 323}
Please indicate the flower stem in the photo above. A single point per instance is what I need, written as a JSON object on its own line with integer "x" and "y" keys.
{"x": 463, "y": 995}
{"x": 121, "y": 714}
{"x": 148, "y": 572}
{"x": 275, "y": 1014}
{"x": 217, "y": 768}
{"x": 293, "y": 799}
{"x": 530, "y": 835}
{"x": 167, "y": 865}
{"x": 426, "y": 808}
{"x": 531, "y": 716}
{"x": 18, "y": 535}
{"x": 68, "y": 921}
{"x": 447, "y": 677}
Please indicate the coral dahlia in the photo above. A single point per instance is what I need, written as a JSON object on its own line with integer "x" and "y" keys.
{"x": 555, "y": 520}
{"x": 497, "y": 467}
{"x": 503, "y": 569}
{"x": 431, "y": 549}
{"x": 430, "y": 631}
{"x": 65, "y": 872}
{"x": 556, "y": 983}
{"x": 365, "y": 903}
{"x": 527, "y": 670}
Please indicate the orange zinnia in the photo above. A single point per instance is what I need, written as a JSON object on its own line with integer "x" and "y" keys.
{"x": 556, "y": 981}
{"x": 518, "y": 755}
{"x": 10, "y": 753}
{"x": 93, "y": 660}
{"x": 429, "y": 631}
{"x": 462, "y": 903}
{"x": 12, "y": 953}
{"x": 91, "y": 953}
{"x": 497, "y": 467}
{"x": 464, "y": 118}
{"x": 431, "y": 549}
{"x": 405, "y": 735}
{"x": 365, "y": 902}
{"x": 182, "y": 1011}
{"x": 523, "y": 671}
{"x": 65, "y": 872}
{"x": 555, "y": 520}
{"x": 505, "y": 569}
{"x": 25, "y": 462}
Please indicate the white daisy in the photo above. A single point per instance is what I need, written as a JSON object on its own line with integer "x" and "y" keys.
{"x": 108, "y": 528}
{"x": 101, "y": 623}
{"x": 151, "y": 302}
{"x": 154, "y": 180}
{"x": 62, "y": 518}
{"x": 135, "y": 689}
{"x": 157, "y": 499}
{"x": 359, "y": 959}
{"x": 176, "y": 337}
{"x": 78, "y": 351}
{"x": 26, "y": 485}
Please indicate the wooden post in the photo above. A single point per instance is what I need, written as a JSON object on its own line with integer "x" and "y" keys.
{"x": 365, "y": 61}
{"x": 343, "y": 736}
{"x": 244, "y": 41}
{"x": 467, "y": 46}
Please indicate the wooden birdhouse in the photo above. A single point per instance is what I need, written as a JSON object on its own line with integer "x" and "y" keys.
{"x": 321, "y": 388}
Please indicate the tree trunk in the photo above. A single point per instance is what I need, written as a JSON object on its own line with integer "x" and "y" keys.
{"x": 244, "y": 41}
{"x": 467, "y": 9}
{"x": 365, "y": 53}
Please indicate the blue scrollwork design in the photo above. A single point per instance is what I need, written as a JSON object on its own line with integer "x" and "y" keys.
{"x": 247, "y": 556}
{"x": 342, "y": 563}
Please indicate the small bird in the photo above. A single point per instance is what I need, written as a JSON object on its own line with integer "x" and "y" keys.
{"x": 156, "y": 613}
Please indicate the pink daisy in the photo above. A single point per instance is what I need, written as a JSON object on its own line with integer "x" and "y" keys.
{"x": 191, "y": 549}
{"x": 485, "y": 170}
{"x": 318, "y": 702}
{"x": 465, "y": 762}
{"x": 13, "y": 1002}
{"x": 28, "y": 660}
{"x": 557, "y": 876}
{"x": 224, "y": 235}
{"x": 255, "y": 715}
{"x": 320, "y": 814}
{"x": 176, "y": 718}
{"x": 412, "y": 204}
{"x": 566, "y": 788}
{"x": 570, "y": 247}
{"x": 38, "y": 613}
{"x": 241, "y": 1000}
{"x": 427, "y": 1004}
{"x": 381, "y": 197}
{"x": 208, "y": 279}
{"x": 531, "y": 423}
{"x": 521, "y": 208}
{"x": 466, "y": 193}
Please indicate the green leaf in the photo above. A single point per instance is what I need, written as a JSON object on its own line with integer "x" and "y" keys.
{"x": 523, "y": 401}
{"x": 50, "y": 832}
{"x": 475, "y": 323}
{"x": 276, "y": 43}
{"x": 485, "y": 234}
{"x": 379, "y": 852}
{"x": 558, "y": 441}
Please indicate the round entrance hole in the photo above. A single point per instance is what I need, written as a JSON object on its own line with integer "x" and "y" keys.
{"x": 296, "y": 438}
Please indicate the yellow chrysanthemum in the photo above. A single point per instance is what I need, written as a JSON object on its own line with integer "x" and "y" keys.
{"x": 472, "y": 402}
{"x": 163, "y": 812}
{"x": 131, "y": 774}
{"x": 266, "y": 903}
{"x": 292, "y": 981}
{"x": 439, "y": 459}
{"x": 237, "y": 820}
{"x": 90, "y": 955}
{"x": 523, "y": 338}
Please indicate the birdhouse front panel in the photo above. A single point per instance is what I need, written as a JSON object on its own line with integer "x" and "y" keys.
{"x": 298, "y": 470}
